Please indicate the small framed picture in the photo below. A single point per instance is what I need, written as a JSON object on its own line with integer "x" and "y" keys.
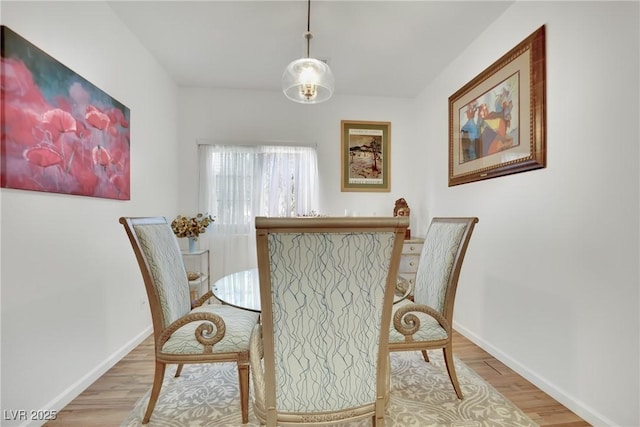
{"x": 497, "y": 121}
{"x": 365, "y": 156}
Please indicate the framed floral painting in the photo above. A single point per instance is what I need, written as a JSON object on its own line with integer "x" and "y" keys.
{"x": 497, "y": 121}
{"x": 365, "y": 156}
{"x": 60, "y": 133}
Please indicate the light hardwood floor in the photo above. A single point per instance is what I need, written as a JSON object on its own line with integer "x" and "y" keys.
{"x": 108, "y": 401}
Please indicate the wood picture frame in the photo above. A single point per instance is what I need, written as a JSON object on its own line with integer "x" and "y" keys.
{"x": 365, "y": 155}
{"x": 497, "y": 121}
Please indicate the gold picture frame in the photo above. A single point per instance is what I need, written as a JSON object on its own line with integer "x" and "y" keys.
{"x": 365, "y": 155}
{"x": 497, "y": 121}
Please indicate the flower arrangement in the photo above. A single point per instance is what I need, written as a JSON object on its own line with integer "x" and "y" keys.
{"x": 191, "y": 227}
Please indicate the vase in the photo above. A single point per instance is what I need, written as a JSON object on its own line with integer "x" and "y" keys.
{"x": 192, "y": 244}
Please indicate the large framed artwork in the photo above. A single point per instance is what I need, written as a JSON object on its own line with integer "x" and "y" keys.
{"x": 365, "y": 156}
{"x": 497, "y": 121}
{"x": 60, "y": 133}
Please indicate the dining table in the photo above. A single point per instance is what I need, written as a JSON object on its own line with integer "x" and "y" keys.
{"x": 242, "y": 290}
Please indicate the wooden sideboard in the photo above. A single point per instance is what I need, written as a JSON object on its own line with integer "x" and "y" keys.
{"x": 410, "y": 258}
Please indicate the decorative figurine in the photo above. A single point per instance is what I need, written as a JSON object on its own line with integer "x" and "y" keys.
{"x": 402, "y": 209}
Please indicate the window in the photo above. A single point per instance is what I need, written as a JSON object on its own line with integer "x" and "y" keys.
{"x": 238, "y": 183}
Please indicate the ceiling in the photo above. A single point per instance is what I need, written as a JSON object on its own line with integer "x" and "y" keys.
{"x": 374, "y": 48}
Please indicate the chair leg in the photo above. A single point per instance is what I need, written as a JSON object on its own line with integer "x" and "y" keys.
{"x": 179, "y": 370}
{"x": 451, "y": 369}
{"x": 378, "y": 418}
{"x": 155, "y": 390}
{"x": 243, "y": 379}
{"x": 271, "y": 418}
{"x": 425, "y": 355}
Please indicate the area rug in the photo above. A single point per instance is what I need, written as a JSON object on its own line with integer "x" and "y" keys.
{"x": 421, "y": 396}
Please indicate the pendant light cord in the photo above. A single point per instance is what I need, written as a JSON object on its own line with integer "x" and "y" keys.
{"x": 308, "y": 34}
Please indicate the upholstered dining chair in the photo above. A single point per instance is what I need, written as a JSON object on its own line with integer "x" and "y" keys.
{"x": 320, "y": 355}
{"x": 184, "y": 334}
{"x": 426, "y": 322}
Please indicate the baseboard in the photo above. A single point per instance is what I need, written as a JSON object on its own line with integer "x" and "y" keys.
{"x": 575, "y": 405}
{"x": 75, "y": 389}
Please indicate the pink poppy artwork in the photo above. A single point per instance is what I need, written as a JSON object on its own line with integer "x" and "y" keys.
{"x": 60, "y": 133}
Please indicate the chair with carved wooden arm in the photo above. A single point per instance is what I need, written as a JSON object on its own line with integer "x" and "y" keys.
{"x": 320, "y": 355}
{"x": 426, "y": 322}
{"x": 183, "y": 333}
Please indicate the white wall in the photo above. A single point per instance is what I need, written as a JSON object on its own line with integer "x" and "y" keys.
{"x": 71, "y": 289}
{"x": 250, "y": 116}
{"x": 550, "y": 282}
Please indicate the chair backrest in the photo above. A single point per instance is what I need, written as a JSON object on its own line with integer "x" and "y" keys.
{"x": 440, "y": 262}
{"x": 326, "y": 289}
{"x": 160, "y": 261}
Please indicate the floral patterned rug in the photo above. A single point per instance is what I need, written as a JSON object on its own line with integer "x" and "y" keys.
{"x": 421, "y": 396}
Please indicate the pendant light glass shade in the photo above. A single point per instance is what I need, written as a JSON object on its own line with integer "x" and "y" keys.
{"x": 308, "y": 81}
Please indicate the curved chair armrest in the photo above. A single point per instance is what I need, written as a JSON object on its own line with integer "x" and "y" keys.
{"x": 204, "y": 298}
{"x": 203, "y": 332}
{"x": 408, "y": 324}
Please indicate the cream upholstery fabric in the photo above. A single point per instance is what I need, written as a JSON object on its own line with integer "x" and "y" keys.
{"x": 162, "y": 252}
{"x": 327, "y": 300}
{"x": 436, "y": 262}
{"x": 238, "y": 323}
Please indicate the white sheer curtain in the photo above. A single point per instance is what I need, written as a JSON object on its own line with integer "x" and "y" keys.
{"x": 238, "y": 183}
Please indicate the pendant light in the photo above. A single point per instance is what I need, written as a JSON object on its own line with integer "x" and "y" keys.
{"x": 308, "y": 80}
